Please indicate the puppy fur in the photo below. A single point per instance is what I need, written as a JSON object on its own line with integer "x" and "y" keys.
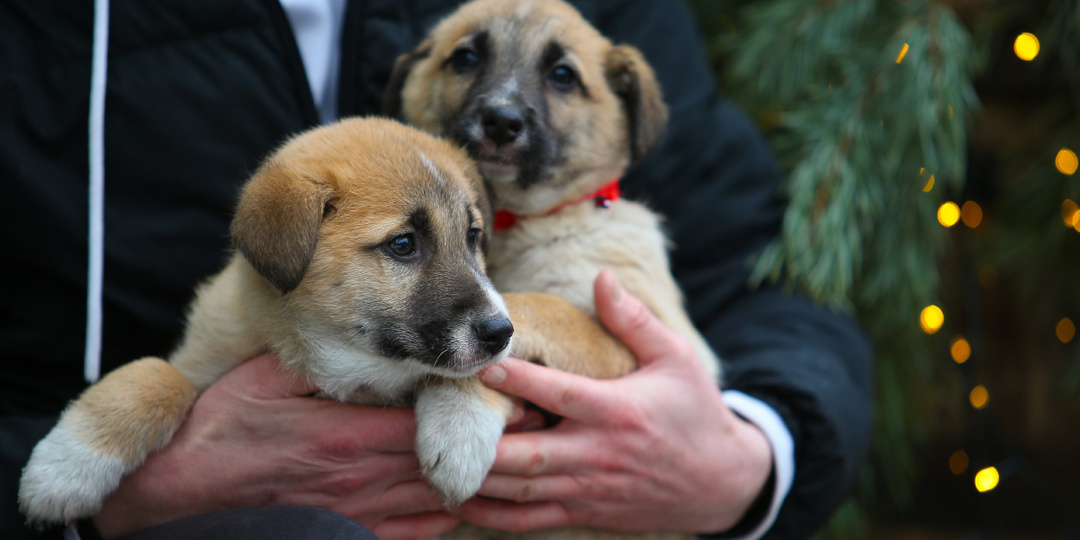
{"x": 360, "y": 264}
{"x": 552, "y": 111}
{"x": 583, "y": 110}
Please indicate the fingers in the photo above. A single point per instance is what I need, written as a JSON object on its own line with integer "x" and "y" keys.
{"x": 631, "y": 321}
{"x": 562, "y": 393}
{"x": 418, "y": 526}
{"x": 544, "y": 452}
{"x": 508, "y": 516}
{"x": 524, "y": 489}
{"x": 406, "y": 498}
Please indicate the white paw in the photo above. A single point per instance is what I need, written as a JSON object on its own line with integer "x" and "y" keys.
{"x": 455, "y": 441}
{"x": 66, "y": 480}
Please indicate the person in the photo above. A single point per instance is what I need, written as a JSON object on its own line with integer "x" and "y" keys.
{"x": 197, "y": 92}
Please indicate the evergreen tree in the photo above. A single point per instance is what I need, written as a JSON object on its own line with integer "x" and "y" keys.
{"x": 873, "y": 108}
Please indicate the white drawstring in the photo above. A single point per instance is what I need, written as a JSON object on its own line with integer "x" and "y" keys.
{"x": 96, "y": 263}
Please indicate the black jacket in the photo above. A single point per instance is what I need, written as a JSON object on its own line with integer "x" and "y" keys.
{"x": 200, "y": 90}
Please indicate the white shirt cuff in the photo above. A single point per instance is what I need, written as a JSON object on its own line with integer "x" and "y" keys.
{"x": 769, "y": 422}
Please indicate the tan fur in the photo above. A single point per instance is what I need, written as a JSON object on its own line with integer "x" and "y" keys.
{"x": 315, "y": 282}
{"x": 153, "y": 397}
{"x": 619, "y": 117}
{"x": 552, "y": 332}
{"x": 603, "y": 124}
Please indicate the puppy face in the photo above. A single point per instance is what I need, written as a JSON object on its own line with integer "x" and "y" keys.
{"x": 373, "y": 232}
{"x": 550, "y": 109}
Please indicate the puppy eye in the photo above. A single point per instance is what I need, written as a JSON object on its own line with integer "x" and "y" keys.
{"x": 464, "y": 59}
{"x": 474, "y": 236}
{"x": 402, "y": 246}
{"x": 563, "y": 77}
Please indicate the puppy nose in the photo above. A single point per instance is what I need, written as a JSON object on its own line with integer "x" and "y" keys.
{"x": 494, "y": 333}
{"x": 502, "y": 124}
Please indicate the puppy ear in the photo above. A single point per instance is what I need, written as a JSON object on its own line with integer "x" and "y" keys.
{"x": 631, "y": 78}
{"x": 402, "y": 67}
{"x": 277, "y": 223}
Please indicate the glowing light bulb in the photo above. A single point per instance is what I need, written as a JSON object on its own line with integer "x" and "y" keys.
{"x": 948, "y": 214}
{"x": 1026, "y": 46}
{"x": 929, "y": 184}
{"x": 958, "y": 462}
{"x": 979, "y": 397}
{"x": 960, "y": 350}
{"x": 1065, "y": 330}
{"x": 986, "y": 479}
{"x": 1066, "y": 161}
{"x": 931, "y": 319}
{"x": 971, "y": 213}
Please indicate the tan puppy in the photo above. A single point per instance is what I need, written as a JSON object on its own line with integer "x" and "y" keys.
{"x": 360, "y": 265}
{"x": 553, "y": 113}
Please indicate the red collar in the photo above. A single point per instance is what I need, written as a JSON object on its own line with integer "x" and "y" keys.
{"x": 504, "y": 219}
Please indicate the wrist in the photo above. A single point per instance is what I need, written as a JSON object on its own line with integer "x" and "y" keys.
{"x": 759, "y": 483}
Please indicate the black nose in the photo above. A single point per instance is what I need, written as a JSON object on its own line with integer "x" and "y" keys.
{"x": 494, "y": 333}
{"x": 502, "y": 124}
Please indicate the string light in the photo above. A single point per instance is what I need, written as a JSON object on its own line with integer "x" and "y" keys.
{"x": 960, "y": 349}
{"x": 903, "y": 52}
{"x": 931, "y": 319}
{"x": 1065, "y": 330}
{"x": 971, "y": 213}
{"x": 948, "y": 214}
{"x": 1026, "y": 46}
{"x": 929, "y": 184}
{"x": 986, "y": 479}
{"x": 958, "y": 462}
{"x": 979, "y": 397}
{"x": 1066, "y": 161}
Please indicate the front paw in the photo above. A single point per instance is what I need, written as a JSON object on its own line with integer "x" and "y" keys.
{"x": 455, "y": 441}
{"x": 66, "y": 479}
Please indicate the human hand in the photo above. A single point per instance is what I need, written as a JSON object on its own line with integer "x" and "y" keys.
{"x": 257, "y": 437}
{"x": 654, "y": 450}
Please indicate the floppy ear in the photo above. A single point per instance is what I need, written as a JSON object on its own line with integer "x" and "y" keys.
{"x": 277, "y": 223}
{"x": 631, "y": 78}
{"x": 402, "y": 67}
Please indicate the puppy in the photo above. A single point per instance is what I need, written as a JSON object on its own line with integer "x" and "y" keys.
{"x": 554, "y": 114}
{"x": 359, "y": 264}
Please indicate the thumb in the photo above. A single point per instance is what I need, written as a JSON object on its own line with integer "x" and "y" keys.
{"x": 264, "y": 376}
{"x": 628, "y": 319}
{"x": 562, "y": 393}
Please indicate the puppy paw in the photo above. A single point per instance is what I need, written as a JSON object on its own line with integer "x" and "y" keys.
{"x": 66, "y": 479}
{"x": 455, "y": 440}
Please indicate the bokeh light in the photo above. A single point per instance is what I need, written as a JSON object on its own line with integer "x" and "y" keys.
{"x": 1026, "y": 46}
{"x": 979, "y": 397}
{"x": 971, "y": 213}
{"x": 960, "y": 350}
{"x": 1065, "y": 161}
{"x": 903, "y": 52}
{"x": 958, "y": 462}
{"x": 948, "y": 214}
{"x": 1070, "y": 213}
{"x": 929, "y": 184}
{"x": 986, "y": 479}
{"x": 1065, "y": 330}
{"x": 931, "y": 319}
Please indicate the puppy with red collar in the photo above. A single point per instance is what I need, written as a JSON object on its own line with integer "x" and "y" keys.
{"x": 554, "y": 114}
